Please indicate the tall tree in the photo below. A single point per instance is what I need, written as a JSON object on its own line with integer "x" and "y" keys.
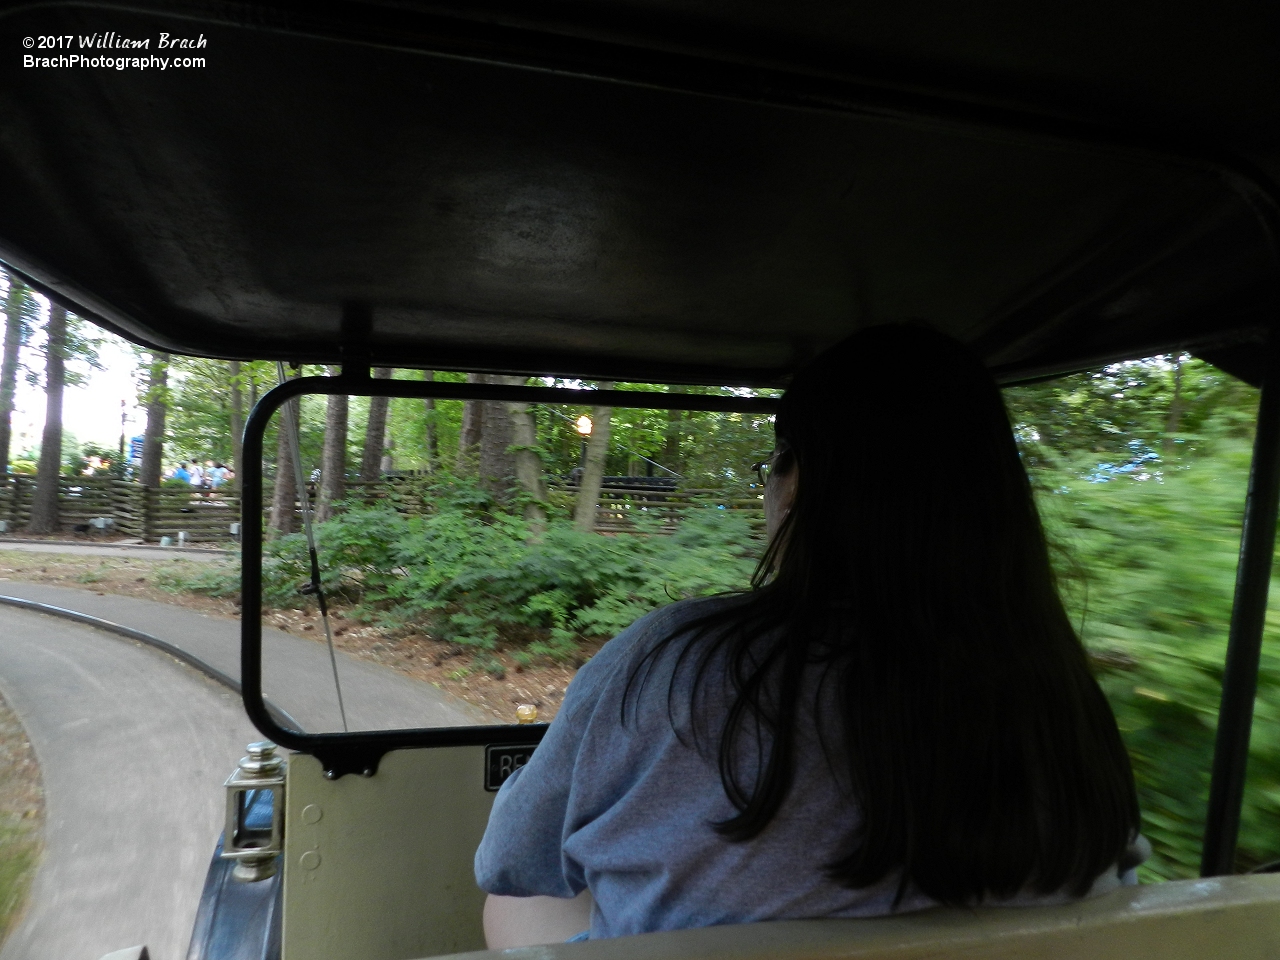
{"x": 670, "y": 456}
{"x": 375, "y": 432}
{"x": 528, "y": 465}
{"x": 19, "y": 317}
{"x": 156, "y": 400}
{"x": 237, "y": 416}
{"x": 44, "y": 504}
{"x": 283, "y": 518}
{"x": 497, "y": 465}
{"x": 432, "y": 428}
{"x": 1173, "y": 421}
{"x": 584, "y": 509}
{"x": 333, "y": 461}
{"x": 472, "y": 430}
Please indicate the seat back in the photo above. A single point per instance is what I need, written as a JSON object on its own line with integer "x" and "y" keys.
{"x": 1226, "y": 918}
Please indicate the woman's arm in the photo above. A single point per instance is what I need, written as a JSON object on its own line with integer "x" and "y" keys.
{"x": 526, "y": 921}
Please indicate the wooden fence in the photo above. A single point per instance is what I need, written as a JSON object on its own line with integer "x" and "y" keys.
{"x": 141, "y": 512}
{"x": 617, "y": 511}
{"x": 206, "y": 516}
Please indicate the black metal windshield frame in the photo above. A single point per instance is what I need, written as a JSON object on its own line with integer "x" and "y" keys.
{"x": 361, "y": 752}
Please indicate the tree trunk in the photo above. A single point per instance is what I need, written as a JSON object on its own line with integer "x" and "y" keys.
{"x": 670, "y": 456}
{"x": 497, "y": 459}
{"x": 1174, "y": 420}
{"x": 584, "y": 510}
{"x": 44, "y": 505}
{"x": 528, "y": 464}
{"x": 237, "y": 418}
{"x": 333, "y": 461}
{"x": 375, "y": 432}
{"x": 433, "y": 436}
{"x": 157, "y": 403}
{"x": 14, "y": 337}
{"x": 284, "y": 516}
{"x": 472, "y": 431}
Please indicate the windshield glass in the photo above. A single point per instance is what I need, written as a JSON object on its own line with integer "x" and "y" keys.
{"x": 474, "y": 554}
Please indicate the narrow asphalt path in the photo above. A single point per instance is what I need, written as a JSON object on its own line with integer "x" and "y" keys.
{"x": 134, "y": 747}
{"x": 297, "y": 676}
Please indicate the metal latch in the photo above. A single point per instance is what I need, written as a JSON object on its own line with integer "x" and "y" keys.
{"x": 254, "y": 837}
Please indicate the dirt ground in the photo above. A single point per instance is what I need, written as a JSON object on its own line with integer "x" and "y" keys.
{"x": 21, "y": 818}
{"x": 447, "y": 665}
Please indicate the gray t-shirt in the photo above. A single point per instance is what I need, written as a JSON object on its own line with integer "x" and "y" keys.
{"x": 625, "y": 810}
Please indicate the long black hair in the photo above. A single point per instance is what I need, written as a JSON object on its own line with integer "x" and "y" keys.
{"x": 912, "y": 565}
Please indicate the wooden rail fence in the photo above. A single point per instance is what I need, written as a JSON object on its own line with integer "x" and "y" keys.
{"x": 618, "y": 508}
{"x": 206, "y": 516}
{"x": 142, "y": 512}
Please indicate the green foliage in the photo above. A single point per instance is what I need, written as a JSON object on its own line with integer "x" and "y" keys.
{"x": 198, "y": 426}
{"x": 469, "y": 573}
{"x": 708, "y": 450}
{"x": 1148, "y": 552}
{"x": 19, "y": 855}
{"x": 1151, "y": 588}
{"x": 112, "y": 465}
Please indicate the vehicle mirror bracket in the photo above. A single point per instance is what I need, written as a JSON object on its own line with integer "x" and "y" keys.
{"x": 255, "y": 848}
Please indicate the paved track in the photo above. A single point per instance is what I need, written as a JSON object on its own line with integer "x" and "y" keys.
{"x": 134, "y": 748}
{"x": 297, "y": 675}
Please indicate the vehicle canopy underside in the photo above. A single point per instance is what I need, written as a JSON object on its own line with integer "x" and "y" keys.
{"x": 651, "y": 191}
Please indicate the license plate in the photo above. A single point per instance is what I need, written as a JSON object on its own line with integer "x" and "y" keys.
{"x": 502, "y": 761}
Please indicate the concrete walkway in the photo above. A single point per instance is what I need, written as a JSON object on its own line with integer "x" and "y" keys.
{"x": 134, "y": 748}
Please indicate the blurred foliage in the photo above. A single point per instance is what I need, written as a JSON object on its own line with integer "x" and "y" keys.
{"x": 19, "y": 856}
{"x": 1145, "y": 524}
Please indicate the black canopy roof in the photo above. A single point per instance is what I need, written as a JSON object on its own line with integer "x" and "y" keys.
{"x": 654, "y": 189}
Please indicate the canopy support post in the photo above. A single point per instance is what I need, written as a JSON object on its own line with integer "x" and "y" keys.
{"x": 1244, "y": 642}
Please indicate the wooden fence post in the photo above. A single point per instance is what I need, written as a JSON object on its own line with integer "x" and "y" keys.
{"x": 22, "y": 498}
{"x": 145, "y": 502}
{"x": 11, "y": 513}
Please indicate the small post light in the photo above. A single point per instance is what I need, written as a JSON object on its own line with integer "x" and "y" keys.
{"x": 526, "y": 713}
{"x": 252, "y": 841}
{"x": 584, "y": 430}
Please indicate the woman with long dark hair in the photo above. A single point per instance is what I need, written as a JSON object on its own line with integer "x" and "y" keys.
{"x": 897, "y": 714}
